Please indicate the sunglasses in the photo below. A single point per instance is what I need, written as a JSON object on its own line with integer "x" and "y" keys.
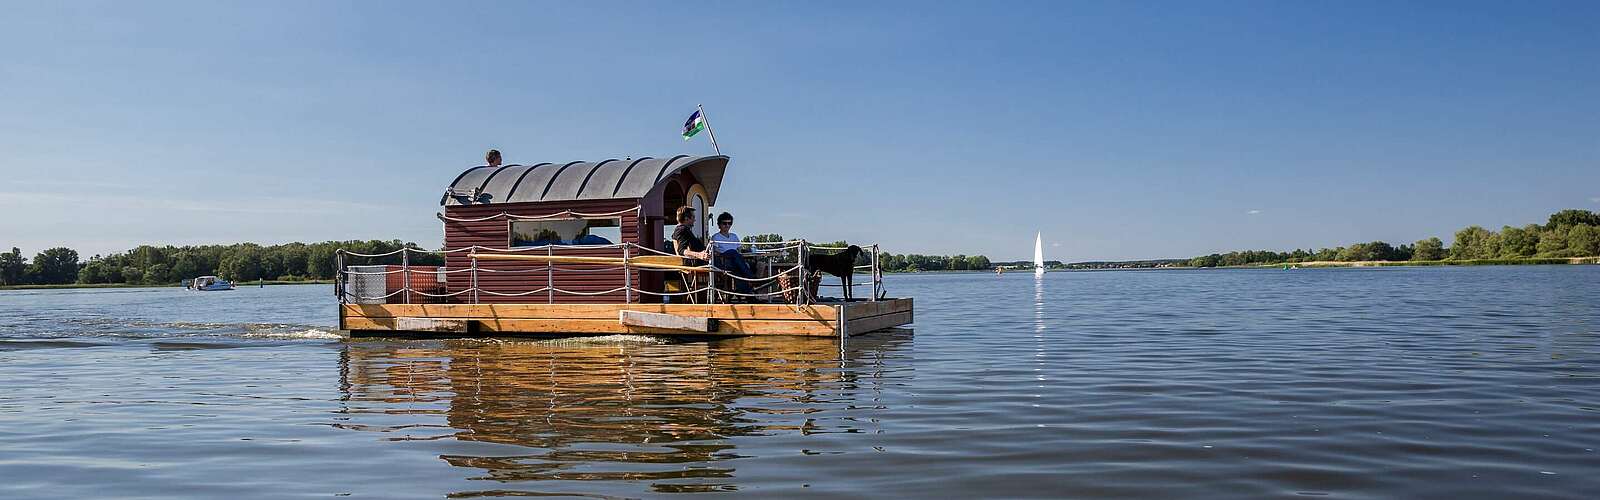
{"x": 725, "y": 223}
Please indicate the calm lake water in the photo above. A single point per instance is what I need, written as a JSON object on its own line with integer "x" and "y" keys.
{"x": 1352, "y": 383}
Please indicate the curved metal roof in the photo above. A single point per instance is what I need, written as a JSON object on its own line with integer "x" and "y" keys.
{"x": 578, "y": 180}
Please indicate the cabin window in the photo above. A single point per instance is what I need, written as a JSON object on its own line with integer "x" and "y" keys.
{"x": 533, "y": 233}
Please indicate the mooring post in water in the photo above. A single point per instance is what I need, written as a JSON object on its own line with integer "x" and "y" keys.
{"x": 338, "y": 274}
{"x": 844, "y": 330}
{"x": 474, "y": 255}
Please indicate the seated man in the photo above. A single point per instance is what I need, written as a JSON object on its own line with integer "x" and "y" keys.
{"x": 725, "y": 247}
{"x": 684, "y": 241}
{"x": 687, "y": 245}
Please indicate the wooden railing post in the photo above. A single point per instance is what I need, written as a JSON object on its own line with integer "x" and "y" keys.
{"x": 338, "y": 275}
{"x": 474, "y": 274}
{"x": 627, "y": 278}
{"x": 405, "y": 272}
{"x": 804, "y": 281}
{"x": 877, "y": 282}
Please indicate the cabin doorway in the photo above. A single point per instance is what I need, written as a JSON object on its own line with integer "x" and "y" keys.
{"x": 697, "y": 199}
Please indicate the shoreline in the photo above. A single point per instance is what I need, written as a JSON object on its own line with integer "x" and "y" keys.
{"x": 67, "y": 286}
{"x": 1529, "y": 261}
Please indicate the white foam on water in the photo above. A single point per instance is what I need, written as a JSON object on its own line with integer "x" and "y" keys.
{"x": 289, "y": 332}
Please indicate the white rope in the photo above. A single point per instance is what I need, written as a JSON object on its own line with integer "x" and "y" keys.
{"x": 391, "y": 294}
{"x": 787, "y": 243}
{"x": 539, "y": 269}
{"x": 773, "y": 277}
{"x": 374, "y": 273}
{"x": 441, "y": 295}
{"x": 652, "y": 250}
{"x": 613, "y": 290}
{"x": 374, "y": 255}
{"x": 564, "y": 213}
{"x": 767, "y": 294}
{"x": 673, "y": 294}
{"x": 518, "y": 294}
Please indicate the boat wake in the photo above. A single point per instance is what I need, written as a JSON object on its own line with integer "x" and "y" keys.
{"x": 104, "y": 327}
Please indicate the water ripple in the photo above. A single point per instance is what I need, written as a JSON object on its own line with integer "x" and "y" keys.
{"x": 1349, "y": 383}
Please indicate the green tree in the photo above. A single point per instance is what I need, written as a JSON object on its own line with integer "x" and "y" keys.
{"x": 958, "y": 262}
{"x": 55, "y": 266}
{"x": 1376, "y": 250}
{"x": 95, "y": 272}
{"x": 1584, "y": 240}
{"x": 1428, "y": 249}
{"x": 1475, "y": 242}
{"x": 12, "y": 267}
{"x": 1572, "y": 217}
{"x": 130, "y": 274}
{"x": 243, "y": 264}
{"x": 1553, "y": 242}
{"x": 157, "y": 274}
{"x": 187, "y": 265}
{"x": 320, "y": 260}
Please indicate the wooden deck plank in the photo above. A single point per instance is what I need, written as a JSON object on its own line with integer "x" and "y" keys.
{"x": 612, "y": 326}
{"x": 866, "y": 325}
{"x": 668, "y": 321}
{"x": 856, "y": 310}
{"x": 590, "y": 311}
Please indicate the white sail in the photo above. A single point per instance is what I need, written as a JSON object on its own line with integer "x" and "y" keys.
{"x": 1038, "y": 254}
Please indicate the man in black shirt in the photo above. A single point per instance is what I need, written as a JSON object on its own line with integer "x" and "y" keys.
{"x": 685, "y": 242}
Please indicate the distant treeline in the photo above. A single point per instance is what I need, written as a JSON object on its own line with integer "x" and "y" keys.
{"x": 1028, "y": 264}
{"x": 1129, "y": 264}
{"x": 164, "y": 265}
{"x": 1568, "y": 233}
{"x": 891, "y": 262}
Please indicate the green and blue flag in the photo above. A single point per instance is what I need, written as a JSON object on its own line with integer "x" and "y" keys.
{"x": 695, "y": 124}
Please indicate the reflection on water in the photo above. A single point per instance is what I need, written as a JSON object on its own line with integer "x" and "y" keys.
{"x": 1038, "y": 331}
{"x": 661, "y": 413}
{"x": 1352, "y": 383}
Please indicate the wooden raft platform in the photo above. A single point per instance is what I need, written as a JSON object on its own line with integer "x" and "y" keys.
{"x": 486, "y": 320}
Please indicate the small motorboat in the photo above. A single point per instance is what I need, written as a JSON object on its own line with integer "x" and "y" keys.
{"x": 210, "y": 284}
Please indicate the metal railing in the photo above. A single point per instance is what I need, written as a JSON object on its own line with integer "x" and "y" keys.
{"x": 632, "y": 259}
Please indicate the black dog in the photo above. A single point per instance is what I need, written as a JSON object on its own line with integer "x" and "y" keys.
{"x": 841, "y": 264}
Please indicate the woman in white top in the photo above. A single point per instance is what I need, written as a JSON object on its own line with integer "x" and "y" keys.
{"x": 725, "y": 247}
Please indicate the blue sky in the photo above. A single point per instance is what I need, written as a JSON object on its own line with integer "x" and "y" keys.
{"x": 1121, "y": 130}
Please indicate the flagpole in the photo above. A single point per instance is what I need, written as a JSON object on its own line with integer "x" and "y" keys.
{"x": 713, "y": 134}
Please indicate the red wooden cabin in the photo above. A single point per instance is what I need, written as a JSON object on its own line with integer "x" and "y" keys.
{"x": 561, "y": 208}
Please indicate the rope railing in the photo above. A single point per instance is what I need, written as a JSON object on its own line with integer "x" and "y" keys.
{"x": 627, "y": 265}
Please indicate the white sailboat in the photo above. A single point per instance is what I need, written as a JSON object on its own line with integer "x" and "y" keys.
{"x": 1038, "y": 254}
